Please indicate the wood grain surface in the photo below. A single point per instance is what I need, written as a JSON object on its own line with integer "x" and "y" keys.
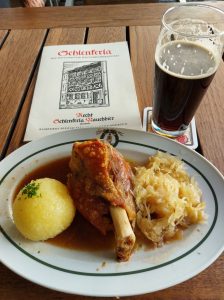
{"x": 86, "y": 16}
{"x": 3, "y": 34}
{"x": 106, "y": 35}
{"x": 208, "y": 285}
{"x": 142, "y": 49}
{"x": 65, "y": 36}
{"x": 210, "y": 121}
{"x": 57, "y": 36}
{"x": 19, "y": 57}
{"x": 103, "y": 15}
{"x": 15, "y": 75}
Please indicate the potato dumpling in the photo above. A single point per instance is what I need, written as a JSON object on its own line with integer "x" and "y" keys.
{"x": 43, "y": 209}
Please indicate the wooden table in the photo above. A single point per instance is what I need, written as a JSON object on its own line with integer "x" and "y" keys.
{"x": 24, "y": 32}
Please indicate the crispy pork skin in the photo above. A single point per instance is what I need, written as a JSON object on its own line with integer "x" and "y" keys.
{"x": 101, "y": 180}
{"x": 104, "y": 172}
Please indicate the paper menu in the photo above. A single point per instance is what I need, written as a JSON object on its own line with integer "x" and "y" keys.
{"x": 82, "y": 86}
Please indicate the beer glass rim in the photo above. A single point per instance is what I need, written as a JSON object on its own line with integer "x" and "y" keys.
{"x": 171, "y": 9}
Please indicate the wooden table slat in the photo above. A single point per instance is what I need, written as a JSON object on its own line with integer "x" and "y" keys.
{"x": 210, "y": 121}
{"x": 142, "y": 48}
{"x": 18, "y": 134}
{"x": 57, "y": 36}
{"x": 64, "y": 36}
{"x": 78, "y": 16}
{"x": 15, "y": 74}
{"x": 106, "y": 34}
{"x": 111, "y": 15}
{"x": 3, "y": 34}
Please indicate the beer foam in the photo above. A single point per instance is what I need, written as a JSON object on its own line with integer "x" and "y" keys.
{"x": 184, "y": 59}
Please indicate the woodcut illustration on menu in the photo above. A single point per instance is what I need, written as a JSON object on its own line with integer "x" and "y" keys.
{"x": 84, "y": 84}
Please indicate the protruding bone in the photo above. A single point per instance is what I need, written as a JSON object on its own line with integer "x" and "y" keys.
{"x": 125, "y": 237}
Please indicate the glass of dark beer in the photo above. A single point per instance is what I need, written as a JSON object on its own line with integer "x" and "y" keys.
{"x": 188, "y": 52}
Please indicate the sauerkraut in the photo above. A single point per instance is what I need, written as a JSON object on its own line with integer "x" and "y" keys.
{"x": 167, "y": 198}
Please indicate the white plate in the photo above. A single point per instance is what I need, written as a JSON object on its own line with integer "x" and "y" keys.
{"x": 83, "y": 273}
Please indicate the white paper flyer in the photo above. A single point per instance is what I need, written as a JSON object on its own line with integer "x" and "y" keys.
{"x": 82, "y": 86}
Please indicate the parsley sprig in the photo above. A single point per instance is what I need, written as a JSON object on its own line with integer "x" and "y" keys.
{"x": 31, "y": 189}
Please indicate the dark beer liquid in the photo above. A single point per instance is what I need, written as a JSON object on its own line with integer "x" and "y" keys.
{"x": 183, "y": 72}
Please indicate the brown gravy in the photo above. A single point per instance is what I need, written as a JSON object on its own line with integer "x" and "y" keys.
{"x": 81, "y": 235}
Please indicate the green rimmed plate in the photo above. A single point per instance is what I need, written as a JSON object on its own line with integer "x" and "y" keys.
{"x": 97, "y": 273}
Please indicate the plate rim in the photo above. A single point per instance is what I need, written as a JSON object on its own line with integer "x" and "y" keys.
{"x": 144, "y": 145}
